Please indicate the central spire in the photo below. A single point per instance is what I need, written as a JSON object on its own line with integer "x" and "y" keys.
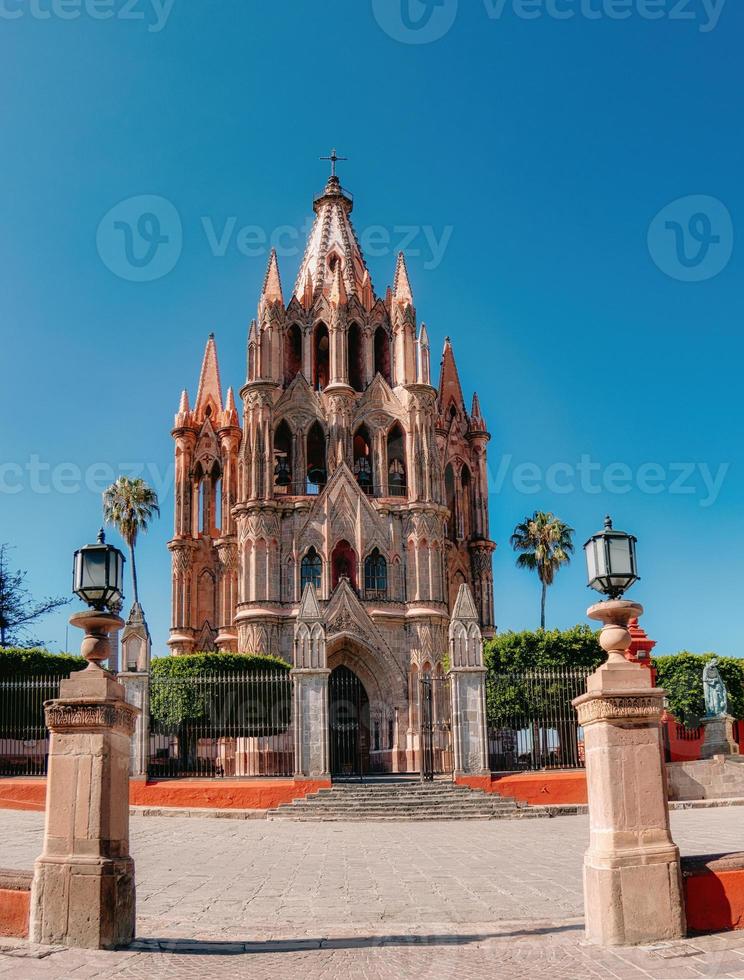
{"x": 332, "y": 244}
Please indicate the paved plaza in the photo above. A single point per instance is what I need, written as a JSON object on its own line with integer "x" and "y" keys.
{"x": 436, "y": 900}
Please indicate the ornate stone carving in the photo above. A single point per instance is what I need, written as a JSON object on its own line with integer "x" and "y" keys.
{"x": 62, "y": 716}
{"x": 618, "y": 709}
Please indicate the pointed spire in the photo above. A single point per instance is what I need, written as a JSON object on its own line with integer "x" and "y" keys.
{"x": 184, "y": 411}
{"x": 368, "y": 295}
{"x": 338, "y": 295}
{"x": 308, "y": 291}
{"x": 402, "y": 284}
{"x": 332, "y": 234}
{"x": 450, "y": 389}
{"x": 309, "y": 609}
{"x": 272, "y": 287}
{"x": 464, "y": 605}
{"x": 230, "y": 415}
{"x": 209, "y": 394}
{"x": 477, "y": 423}
{"x": 252, "y": 333}
{"x": 423, "y": 357}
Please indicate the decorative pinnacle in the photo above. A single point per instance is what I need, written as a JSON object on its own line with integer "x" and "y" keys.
{"x": 608, "y": 523}
{"x": 101, "y": 537}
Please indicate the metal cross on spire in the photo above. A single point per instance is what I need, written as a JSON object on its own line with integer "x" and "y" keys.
{"x": 334, "y": 158}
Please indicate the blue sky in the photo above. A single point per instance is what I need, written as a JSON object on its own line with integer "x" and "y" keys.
{"x": 525, "y": 158}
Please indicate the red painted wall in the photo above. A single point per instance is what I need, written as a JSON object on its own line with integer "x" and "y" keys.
{"x": 715, "y": 901}
{"x": 252, "y": 794}
{"x": 14, "y": 912}
{"x": 536, "y": 788}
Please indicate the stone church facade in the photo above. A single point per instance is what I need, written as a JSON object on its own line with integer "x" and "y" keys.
{"x": 333, "y": 519}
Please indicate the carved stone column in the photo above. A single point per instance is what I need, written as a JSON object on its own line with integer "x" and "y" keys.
{"x": 632, "y": 878}
{"x": 310, "y": 691}
{"x": 83, "y": 889}
{"x": 468, "y": 679}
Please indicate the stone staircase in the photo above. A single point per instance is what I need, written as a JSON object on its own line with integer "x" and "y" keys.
{"x": 403, "y": 800}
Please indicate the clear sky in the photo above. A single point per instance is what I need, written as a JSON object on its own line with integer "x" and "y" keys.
{"x": 524, "y": 158}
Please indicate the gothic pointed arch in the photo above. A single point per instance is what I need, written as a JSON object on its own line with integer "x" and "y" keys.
{"x": 292, "y": 352}
{"x": 397, "y": 478}
{"x": 355, "y": 349}
{"x": 321, "y": 352}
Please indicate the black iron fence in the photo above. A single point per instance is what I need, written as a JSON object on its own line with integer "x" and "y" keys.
{"x": 531, "y": 721}
{"x": 24, "y": 739}
{"x": 435, "y": 711}
{"x": 222, "y": 725}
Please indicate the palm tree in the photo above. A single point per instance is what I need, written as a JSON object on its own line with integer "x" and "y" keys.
{"x": 130, "y": 505}
{"x": 546, "y": 544}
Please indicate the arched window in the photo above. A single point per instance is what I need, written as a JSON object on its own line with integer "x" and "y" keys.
{"x": 316, "y": 459}
{"x": 363, "y": 459}
{"x": 450, "y": 501}
{"x": 292, "y": 353}
{"x": 321, "y": 357}
{"x": 311, "y": 569}
{"x": 356, "y": 357}
{"x": 382, "y": 353}
{"x": 283, "y": 458}
{"x": 375, "y": 575}
{"x": 343, "y": 564}
{"x": 396, "y": 458}
{"x": 466, "y": 522}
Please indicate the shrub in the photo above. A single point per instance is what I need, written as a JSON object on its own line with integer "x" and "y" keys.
{"x": 681, "y": 676}
{"x": 188, "y": 691}
{"x": 16, "y": 662}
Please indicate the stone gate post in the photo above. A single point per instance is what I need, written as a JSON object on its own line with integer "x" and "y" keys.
{"x": 83, "y": 888}
{"x": 310, "y": 691}
{"x": 137, "y": 693}
{"x": 632, "y": 877}
{"x": 468, "y": 679}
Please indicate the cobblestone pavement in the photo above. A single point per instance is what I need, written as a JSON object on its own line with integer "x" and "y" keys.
{"x": 273, "y": 899}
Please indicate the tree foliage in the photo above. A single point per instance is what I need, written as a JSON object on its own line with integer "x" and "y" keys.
{"x": 28, "y": 678}
{"x": 18, "y": 609}
{"x": 195, "y": 691}
{"x": 17, "y": 662}
{"x": 553, "y": 657}
{"x": 545, "y": 543}
{"x": 681, "y": 676}
{"x": 130, "y": 506}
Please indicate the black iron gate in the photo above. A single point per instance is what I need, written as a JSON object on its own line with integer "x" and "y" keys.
{"x": 349, "y": 724}
{"x": 435, "y": 728}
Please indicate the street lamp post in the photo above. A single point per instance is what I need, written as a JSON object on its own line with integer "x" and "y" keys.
{"x": 97, "y": 579}
{"x": 632, "y": 877}
{"x": 83, "y": 890}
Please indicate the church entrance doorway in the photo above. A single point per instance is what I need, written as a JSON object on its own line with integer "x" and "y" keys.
{"x": 349, "y": 724}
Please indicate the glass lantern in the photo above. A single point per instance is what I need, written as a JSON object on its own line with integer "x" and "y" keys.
{"x": 611, "y": 561}
{"x": 98, "y": 574}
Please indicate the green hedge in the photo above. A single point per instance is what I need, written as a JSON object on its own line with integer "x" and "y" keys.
{"x": 178, "y": 703}
{"x": 540, "y": 649}
{"x": 681, "y": 676}
{"x": 19, "y": 662}
{"x": 201, "y": 664}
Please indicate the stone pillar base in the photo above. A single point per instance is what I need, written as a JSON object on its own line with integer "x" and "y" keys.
{"x": 90, "y": 904}
{"x": 719, "y": 737}
{"x": 469, "y": 721}
{"x": 83, "y": 889}
{"x": 633, "y": 901}
{"x": 311, "y": 722}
